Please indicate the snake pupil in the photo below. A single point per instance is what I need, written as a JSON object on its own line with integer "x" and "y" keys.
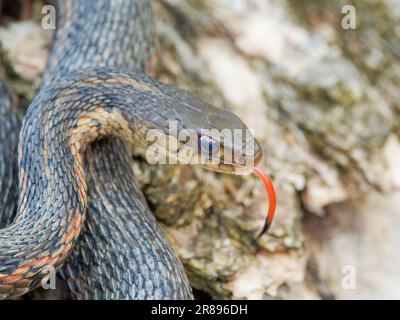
{"x": 208, "y": 146}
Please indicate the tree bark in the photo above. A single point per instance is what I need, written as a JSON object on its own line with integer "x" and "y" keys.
{"x": 322, "y": 100}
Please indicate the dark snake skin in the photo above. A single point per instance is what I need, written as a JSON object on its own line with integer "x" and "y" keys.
{"x": 125, "y": 40}
{"x": 75, "y": 176}
{"x": 9, "y": 129}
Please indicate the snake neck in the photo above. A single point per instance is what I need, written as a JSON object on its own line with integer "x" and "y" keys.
{"x": 101, "y": 33}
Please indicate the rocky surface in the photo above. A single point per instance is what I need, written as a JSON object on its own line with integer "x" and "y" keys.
{"x": 324, "y": 103}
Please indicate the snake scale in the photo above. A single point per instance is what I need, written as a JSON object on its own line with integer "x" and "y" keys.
{"x": 79, "y": 208}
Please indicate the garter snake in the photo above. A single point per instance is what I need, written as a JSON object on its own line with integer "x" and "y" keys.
{"x": 80, "y": 210}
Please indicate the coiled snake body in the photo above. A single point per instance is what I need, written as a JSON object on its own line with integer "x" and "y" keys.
{"x": 79, "y": 207}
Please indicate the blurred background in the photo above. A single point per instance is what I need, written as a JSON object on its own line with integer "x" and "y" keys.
{"x": 318, "y": 81}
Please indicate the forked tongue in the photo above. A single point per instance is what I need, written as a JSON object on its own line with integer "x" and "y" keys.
{"x": 271, "y": 198}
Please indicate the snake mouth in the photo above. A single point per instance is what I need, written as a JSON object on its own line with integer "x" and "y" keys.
{"x": 250, "y": 163}
{"x": 245, "y": 166}
{"x": 230, "y": 168}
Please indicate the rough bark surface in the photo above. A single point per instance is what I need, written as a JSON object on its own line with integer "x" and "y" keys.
{"x": 323, "y": 101}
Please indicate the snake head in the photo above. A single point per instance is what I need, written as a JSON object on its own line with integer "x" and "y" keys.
{"x": 199, "y": 133}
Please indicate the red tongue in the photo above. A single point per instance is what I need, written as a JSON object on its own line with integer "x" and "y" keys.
{"x": 271, "y": 198}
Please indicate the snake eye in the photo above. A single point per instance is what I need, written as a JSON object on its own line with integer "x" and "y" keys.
{"x": 208, "y": 146}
